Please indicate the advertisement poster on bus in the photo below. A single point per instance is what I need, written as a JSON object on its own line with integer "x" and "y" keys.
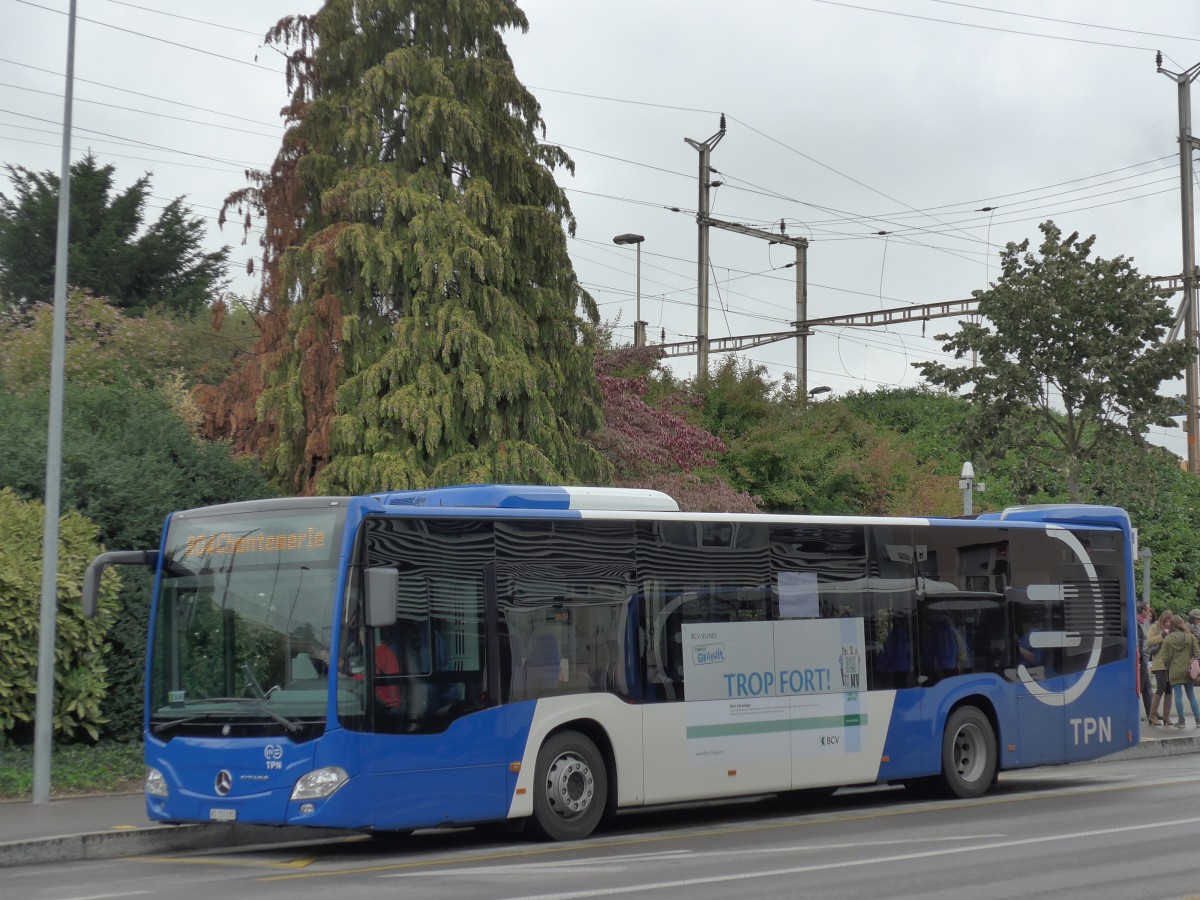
{"x": 768, "y": 689}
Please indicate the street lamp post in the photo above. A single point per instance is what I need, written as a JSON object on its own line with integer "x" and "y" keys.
{"x": 804, "y": 396}
{"x": 639, "y": 327}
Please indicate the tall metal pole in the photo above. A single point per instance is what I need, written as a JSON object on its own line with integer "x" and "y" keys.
{"x": 802, "y": 332}
{"x": 43, "y": 728}
{"x": 1187, "y": 209}
{"x": 705, "y": 150}
{"x": 639, "y": 327}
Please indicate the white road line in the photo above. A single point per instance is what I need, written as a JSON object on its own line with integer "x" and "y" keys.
{"x": 850, "y": 845}
{"x": 590, "y": 864}
{"x": 107, "y": 896}
{"x": 799, "y": 870}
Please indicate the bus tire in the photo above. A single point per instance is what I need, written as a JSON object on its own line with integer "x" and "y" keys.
{"x": 570, "y": 788}
{"x": 969, "y": 758}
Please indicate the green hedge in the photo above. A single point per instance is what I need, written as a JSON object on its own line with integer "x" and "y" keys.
{"x": 80, "y": 676}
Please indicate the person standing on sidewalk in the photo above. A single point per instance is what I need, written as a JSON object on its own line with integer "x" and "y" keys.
{"x": 1162, "y": 687}
{"x": 1194, "y": 623}
{"x": 1145, "y": 688}
{"x": 1178, "y": 649}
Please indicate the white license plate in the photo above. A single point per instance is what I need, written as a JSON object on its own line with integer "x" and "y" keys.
{"x": 222, "y": 815}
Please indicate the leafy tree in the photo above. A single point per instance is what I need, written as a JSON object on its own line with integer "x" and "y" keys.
{"x": 421, "y": 321}
{"x": 113, "y": 251}
{"x": 1071, "y": 361}
{"x": 79, "y": 673}
{"x": 652, "y": 444}
{"x": 105, "y": 346}
{"x": 825, "y": 460}
{"x": 932, "y": 422}
{"x": 1163, "y": 501}
{"x": 739, "y": 396}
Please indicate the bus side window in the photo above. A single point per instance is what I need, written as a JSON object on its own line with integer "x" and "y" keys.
{"x": 543, "y": 666}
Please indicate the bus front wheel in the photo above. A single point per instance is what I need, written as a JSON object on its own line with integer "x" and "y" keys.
{"x": 571, "y": 787}
{"x": 968, "y": 753}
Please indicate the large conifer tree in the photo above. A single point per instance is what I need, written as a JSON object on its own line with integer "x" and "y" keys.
{"x": 421, "y": 319}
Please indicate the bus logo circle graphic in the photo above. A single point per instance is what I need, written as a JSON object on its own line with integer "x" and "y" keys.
{"x": 1075, "y": 691}
{"x": 224, "y": 782}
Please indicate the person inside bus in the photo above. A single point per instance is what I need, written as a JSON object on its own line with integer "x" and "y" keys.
{"x": 387, "y": 665}
{"x": 1032, "y": 655}
{"x": 387, "y": 671}
{"x": 895, "y": 661}
{"x": 943, "y": 649}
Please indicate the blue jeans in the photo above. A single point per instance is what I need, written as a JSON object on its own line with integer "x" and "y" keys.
{"x": 1178, "y": 690}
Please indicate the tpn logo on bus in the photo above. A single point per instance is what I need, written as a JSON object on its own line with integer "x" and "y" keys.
{"x": 273, "y": 754}
{"x": 1047, "y": 592}
{"x": 708, "y": 654}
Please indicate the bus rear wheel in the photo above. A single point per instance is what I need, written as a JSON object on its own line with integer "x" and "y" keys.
{"x": 968, "y": 753}
{"x": 571, "y": 787}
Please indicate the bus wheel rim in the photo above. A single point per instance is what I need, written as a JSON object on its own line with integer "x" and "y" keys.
{"x": 969, "y": 753}
{"x": 570, "y": 785}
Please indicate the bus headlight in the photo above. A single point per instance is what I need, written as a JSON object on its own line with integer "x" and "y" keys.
{"x": 319, "y": 783}
{"x": 156, "y": 785}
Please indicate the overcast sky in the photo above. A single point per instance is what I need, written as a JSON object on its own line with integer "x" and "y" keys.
{"x": 844, "y": 120}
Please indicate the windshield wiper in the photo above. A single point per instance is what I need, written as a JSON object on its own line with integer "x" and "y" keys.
{"x": 291, "y": 725}
{"x": 160, "y": 727}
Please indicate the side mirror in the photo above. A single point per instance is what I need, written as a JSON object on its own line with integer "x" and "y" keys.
{"x": 382, "y": 587}
{"x": 91, "y": 575}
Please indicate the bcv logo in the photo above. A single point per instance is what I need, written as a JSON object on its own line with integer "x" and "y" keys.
{"x": 707, "y": 654}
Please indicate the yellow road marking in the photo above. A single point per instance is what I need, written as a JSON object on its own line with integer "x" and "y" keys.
{"x": 222, "y": 861}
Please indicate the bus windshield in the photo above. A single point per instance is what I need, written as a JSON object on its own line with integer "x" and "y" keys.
{"x": 242, "y": 629}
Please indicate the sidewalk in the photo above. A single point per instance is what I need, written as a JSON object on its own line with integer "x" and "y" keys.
{"x": 115, "y": 825}
{"x": 110, "y": 826}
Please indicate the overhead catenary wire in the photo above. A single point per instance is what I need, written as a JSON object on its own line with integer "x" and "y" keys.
{"x": 151, "y": 37}
{"x": 1025, "y": 15}
{"x": 1035, "y": 34}
{"x": 113, "y": 87}
{"x": 105, "y": 134}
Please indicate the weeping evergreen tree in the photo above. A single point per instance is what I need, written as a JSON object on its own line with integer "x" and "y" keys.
{"x": 422, "y": 322}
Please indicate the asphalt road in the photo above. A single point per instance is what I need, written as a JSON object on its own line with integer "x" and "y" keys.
{"x": 1108, "y": 830}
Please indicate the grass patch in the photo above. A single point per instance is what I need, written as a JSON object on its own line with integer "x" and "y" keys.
{"x": 75, "y": 769}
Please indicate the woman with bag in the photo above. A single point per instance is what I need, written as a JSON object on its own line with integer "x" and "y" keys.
{"x": 1179, "y": 648}
{"x": 1162, "y": 694}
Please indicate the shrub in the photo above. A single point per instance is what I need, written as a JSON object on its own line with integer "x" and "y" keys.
{"x": 79, "y": 673}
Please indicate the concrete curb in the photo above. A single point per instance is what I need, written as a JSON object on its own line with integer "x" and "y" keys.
{"x": 154, "y": 840}
{"x": 1179, "y": 746}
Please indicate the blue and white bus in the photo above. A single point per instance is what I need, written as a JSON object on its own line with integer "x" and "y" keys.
{"x": 497, "y": 652}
